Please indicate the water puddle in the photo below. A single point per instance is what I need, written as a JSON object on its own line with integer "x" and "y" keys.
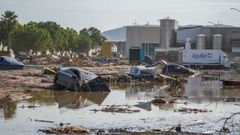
{"x": 49, "y": 108}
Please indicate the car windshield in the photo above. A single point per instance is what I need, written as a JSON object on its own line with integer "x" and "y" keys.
{"x": 9, "y": 59}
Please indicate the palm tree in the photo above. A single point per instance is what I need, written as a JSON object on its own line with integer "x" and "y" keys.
{"x": 9, "y": 22}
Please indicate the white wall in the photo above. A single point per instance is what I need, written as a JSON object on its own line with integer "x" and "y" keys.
{"x": 136, "y": 35}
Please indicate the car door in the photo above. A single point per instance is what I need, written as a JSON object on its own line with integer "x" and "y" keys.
{"x": 4, "y": 64}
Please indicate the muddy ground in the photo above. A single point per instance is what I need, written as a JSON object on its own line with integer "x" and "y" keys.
{"x": 189, "y": 106}
{"x": 17, "y": 84}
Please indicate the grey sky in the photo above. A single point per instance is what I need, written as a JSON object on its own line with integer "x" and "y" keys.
{"x": 108, "y": 14}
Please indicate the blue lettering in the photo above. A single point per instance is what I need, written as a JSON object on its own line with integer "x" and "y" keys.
{"x": 202, "y": 56}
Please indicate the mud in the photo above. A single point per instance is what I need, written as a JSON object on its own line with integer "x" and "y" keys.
{"x": 200, "y": 106}
{"x": 17, "y": 84}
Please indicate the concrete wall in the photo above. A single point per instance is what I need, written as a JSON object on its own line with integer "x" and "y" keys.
{"x": 137, "y": 35}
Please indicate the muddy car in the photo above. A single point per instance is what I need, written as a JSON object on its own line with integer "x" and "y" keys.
{"x": 79, "y": 80}
{"x": 142, "y": 72}
{"x": 8, "y": 63}
{"x": 177, "y": 69}
{"x": 23, "y": 56}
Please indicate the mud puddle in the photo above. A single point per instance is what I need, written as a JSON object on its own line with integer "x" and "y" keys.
{"x": 209, "y": 104}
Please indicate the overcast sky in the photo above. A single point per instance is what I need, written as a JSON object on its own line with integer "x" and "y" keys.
{"x": 109, "y": 14}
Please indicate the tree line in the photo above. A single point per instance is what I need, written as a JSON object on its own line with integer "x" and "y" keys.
{"x": 43, "y": 36}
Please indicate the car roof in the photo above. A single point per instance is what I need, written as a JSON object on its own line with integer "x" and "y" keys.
{"x": 6, "y": 57}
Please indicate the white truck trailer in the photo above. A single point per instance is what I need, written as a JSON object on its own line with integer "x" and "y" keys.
{"x": 205, "y": 58}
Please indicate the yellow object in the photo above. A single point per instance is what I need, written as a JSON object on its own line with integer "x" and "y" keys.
{"x": 106, "y": 50}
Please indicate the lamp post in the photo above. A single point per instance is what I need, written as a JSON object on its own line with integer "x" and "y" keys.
{"x": 211, "y": 23}
{"x": 235, "y": 9}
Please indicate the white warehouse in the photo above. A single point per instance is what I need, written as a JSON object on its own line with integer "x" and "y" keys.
{"x": 147, "y": 37}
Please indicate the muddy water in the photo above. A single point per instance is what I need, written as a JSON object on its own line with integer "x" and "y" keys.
{"x": 201, "y": 92}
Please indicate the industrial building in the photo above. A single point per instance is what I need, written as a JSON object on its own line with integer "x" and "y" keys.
{"x": 169, "y": 35}
{"x": 226, "y": 38}
{"x": 150, "y": 37}
{"x": 147, "y": 37}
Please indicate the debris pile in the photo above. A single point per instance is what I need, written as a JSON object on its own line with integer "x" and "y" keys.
{"x": 232, "y": 99}
{"x": 28, "y": 106}
{"x": 160, "y": 101}
{"x": 70, "y": 130}
{"x": 116, "y": 109}
{"x": 81, "y": 60}
{"x": 189, "y": 110}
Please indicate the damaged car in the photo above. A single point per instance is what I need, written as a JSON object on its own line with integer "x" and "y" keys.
{"x": 142, "y": 72}
{"x": 79, "y": 80}
{"x": 8, "y": 63}
{"x": 177, "y": 69}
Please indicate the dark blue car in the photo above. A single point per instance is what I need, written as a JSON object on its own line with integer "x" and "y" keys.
{"x": 8, "y": 63}
{"x": 177, "y": 69}
{"x": 77, "y": 79}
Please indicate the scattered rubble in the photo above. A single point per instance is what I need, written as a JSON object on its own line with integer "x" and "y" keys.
{"x": 28, "y": 106}
{"x": 189, "y": 110}
{"x": 224, "y": 129}
{"x": 70, "y": 130}
{"x": 116, "y": 109}
{"x": 81, "y": 60}
{"x": 144, "y": 105}
{"x": 231, "y": 99}
{"x": 44, "y": 121}
{"x": 128, "y": 131}
{"x": 158, "y": 101}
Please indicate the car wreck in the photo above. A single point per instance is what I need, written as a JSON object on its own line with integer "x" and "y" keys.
{"x": 8, "y": 63}
{"x": 170, "y": 68}
{"x": 77, "y": 79}
{"x": 143, "y": 72}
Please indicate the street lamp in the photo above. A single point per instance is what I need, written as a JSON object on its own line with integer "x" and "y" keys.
{"x": 235, "y": 9}
{"x": 211, "y": 23}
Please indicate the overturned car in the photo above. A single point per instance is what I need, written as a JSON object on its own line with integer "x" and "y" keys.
{"x": 8, "y": 63}
{"x": 79, "y": 80}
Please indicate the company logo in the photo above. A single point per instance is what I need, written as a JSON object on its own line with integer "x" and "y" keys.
{"x": 202, "y": 56}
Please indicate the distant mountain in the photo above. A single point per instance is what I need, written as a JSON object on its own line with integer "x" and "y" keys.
{"x": 118, "y": 34}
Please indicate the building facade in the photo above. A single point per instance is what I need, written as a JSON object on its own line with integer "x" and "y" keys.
{"x": 147, "y": 37}
{"x": 225, "y": 38}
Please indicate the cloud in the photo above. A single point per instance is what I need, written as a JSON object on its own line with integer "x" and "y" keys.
{"x": 107, "y": 14}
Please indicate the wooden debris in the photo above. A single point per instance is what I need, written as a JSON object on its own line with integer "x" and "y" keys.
{"x": 45, "y": 121}
{"x": 158, "y": 101}
{"x": 231, "y": 99}
{"x": 189, "y": 110}
{"x": 116, "y": 109}
{"x": 71, "y": 130}
{"x": 231, "y": 82}
{"x": 28, "y": 106}
{"x": 225, "y": 130}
